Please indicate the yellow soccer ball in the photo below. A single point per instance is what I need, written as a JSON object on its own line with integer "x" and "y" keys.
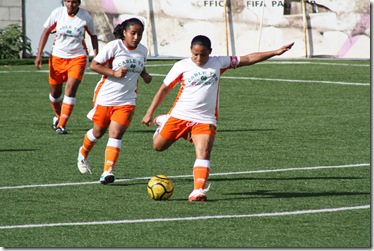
{"x": 160, "y": 187}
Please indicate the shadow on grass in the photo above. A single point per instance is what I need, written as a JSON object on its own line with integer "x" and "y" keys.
{"x": 18, "y": 150}
{"x": 152, "y": 130}
{"x": 270, "y": 194}
{"x": 294, "y": 178}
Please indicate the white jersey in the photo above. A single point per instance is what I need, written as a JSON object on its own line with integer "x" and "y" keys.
{"x": 70, "y": 32}
{"x": 198, "y": 99}
{"x": 112, "y": 91}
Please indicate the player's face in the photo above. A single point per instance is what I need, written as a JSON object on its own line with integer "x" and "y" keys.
{"x": 200, "y": 54}
{"x": 133, "y": 35}
{"x": 72, "y": 6}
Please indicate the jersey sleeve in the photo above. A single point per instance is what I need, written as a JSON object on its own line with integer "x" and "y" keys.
{"x": 174, "y": 76}
{"x": 229, "y": 62}
{"x": 105, "y": 54}
{"x": 50, "y": 23}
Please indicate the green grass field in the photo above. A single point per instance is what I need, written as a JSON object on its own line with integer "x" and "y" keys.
{"x": 290, "y": 166}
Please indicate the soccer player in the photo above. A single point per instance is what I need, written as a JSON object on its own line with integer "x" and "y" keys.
{"x": 69, "y": 57}
{"x": 194, "y": 113}
{"x": 120, "y": 62}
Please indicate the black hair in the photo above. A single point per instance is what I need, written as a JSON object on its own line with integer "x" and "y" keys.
{"x": 118, "y": 31}
{"x": 201, "y": 40}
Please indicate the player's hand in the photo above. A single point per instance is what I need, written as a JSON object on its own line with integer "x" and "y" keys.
{"x": 147, "y": 120}
{"x": 147, "y": 78}
{"x": 38, "y": 63}
{"x": 120, "y": 73}
{"x": 285, "y": 48}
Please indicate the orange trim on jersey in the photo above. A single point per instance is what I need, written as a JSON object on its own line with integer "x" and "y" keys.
{"x": 172, "y": 85}
{"x": 101, "y": 83}
{"x": 53, "y": 26}
{"x": 217, "y": 101}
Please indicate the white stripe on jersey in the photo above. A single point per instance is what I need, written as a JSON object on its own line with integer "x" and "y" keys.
{"x": 70, "y": 32}
{"x": 112, "y": 91}
{"x": 198, "y": 98}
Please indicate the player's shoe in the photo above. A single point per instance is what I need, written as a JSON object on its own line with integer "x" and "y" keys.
{"x": 198, "y": 194}
{"x": 55, "y": 122}
{"x": 107, "y": 177}
{"x": 161, "y": 119}
{"x": 82, "y": 163}
{"x": 61, "y": 130}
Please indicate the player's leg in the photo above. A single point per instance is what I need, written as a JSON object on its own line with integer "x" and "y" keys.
{"x": 68, "y": 104}
{"x": 55, "y": 96}
{"x": 120, "y": 121}
{"x": 56, "y": 80}
{"x": 170, "y": 130}
{"x": 203, "y": 138}
{"x": 75, "y": 71}
{"x": 90, "y": 138}
{"x": 98, "y": 115}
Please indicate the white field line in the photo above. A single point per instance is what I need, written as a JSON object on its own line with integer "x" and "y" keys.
{"x": 186, "y": 176}
{"x": 285, "y": 63}
{"x": 287, "y": 80}
{"x": 243, "y": 78}
{"x": 207, "y": 217}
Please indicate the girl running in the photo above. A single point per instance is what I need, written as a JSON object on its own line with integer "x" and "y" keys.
{"x": 120, "y": 62}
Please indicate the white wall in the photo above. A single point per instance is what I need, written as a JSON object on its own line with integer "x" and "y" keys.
{"x": 36, "y": 13}
{"x": 341, "y": 29}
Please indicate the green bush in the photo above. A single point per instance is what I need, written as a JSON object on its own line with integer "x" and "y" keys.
{"x": 12, "y": 42}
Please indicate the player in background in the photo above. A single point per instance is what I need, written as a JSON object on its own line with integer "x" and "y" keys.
{"x": 194, "y": 114}
{"x": 69, "y": 57}
{"x": 120, "y": 62}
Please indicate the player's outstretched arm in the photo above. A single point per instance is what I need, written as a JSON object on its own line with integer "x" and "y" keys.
{"x": 256, "y": 57}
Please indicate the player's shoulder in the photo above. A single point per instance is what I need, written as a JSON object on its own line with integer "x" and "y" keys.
{"x": 116, "y": 43}
{"x": 84, "y": 13}
{"x": 183, "y": 62}
{"x": 142, "y": 49}
{"x": 58, "y": 11}
{"x": 218, "y": 58}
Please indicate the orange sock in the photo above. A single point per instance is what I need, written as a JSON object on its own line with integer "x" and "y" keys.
{"x": 57, "y": 108}
{"x": 65, "y": 114}
{"x": 200, "y": 176}
{"x": 56, "y": 105}
{"x": 88, "y": 143}
{"x": 112, "y": 153}
{"x": 66, "y": 110}
{"x": 111, "y": 157}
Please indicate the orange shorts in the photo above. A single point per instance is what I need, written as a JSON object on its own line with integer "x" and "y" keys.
{"x": 102, "y": 115}
{"x": 174, "y": 129}
{"x": 60, "y": 69}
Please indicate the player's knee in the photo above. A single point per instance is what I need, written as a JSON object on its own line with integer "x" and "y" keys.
{"x": 158, "y": 148}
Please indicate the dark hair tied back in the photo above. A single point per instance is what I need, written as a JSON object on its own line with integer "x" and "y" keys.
{"x": 118, "y": 31}
{"x": 201, "y": 40}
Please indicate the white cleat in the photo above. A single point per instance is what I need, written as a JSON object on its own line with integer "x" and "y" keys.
{"x": 82, "y": 163}
{"x": 198, "y": 194}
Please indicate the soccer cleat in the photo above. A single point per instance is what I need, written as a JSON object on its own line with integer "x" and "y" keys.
{"x": 55, "y": 122}
{"x": 198, "y": 194}
{"x": 82, "y": 164}
{"x": 160, "y": 119}
{"x": 61, "y": 130}
{"x": 107, "y": 177}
